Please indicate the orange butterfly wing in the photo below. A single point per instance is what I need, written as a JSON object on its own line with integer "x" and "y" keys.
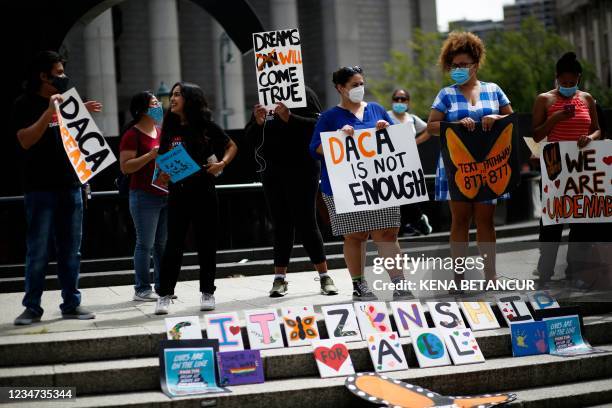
{"x": 503, "y": 149}
{"x": 461, "y": 157}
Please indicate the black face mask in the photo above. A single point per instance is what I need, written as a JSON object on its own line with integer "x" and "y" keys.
{"x": 60, "y": 83}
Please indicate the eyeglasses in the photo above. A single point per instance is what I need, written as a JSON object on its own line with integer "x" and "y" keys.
{"x": 462, "y": 65}
{"x": 353, "y": 70}
{"x": 400, "y": 99}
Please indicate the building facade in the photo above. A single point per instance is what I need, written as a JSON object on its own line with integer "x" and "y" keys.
{"x": 543, "y": 10}
{"x": 138, "y": 44}
{"x": 587, "y": 24}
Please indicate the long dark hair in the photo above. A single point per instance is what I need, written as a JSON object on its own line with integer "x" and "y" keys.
{"x": 197, "y": 115}
{"x": 139, "y": 105}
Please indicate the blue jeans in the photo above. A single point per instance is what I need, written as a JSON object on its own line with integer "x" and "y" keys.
{"x": 53, "y": 216}
{"x": 150, "y": 215}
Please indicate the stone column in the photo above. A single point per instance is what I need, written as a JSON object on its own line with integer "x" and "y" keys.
{"x": 164, "y": 43}
{"x": 100, "y": 79}
{"x": 283, "y": 14}
{"x": 230, "y": 109}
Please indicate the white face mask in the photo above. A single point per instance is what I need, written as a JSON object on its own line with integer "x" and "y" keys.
{"x": 356, "y": 94}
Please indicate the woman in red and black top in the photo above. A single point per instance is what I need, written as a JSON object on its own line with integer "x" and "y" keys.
{"x": 564, "y": 114}
{"x": 148, "y": 204}
{"x": 192, "y": 200}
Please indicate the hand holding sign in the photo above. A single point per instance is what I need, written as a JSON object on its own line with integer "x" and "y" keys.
{"x": 87, "y": 150}
{"x": 177, "y": 164}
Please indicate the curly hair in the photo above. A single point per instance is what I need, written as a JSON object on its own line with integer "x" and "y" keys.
{"x": 461, "y": 42}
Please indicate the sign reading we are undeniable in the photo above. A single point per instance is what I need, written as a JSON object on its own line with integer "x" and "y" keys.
{"x": 278, "y": 64}
{"x": 374, "y": 169}
{"x": 576, "y": 183}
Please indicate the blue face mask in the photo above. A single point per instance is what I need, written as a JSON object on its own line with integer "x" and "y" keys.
{"x": 460, "y": 75}
{"x": 156, "y": 113}
{"x": 568, "y": 92}
{"x": 399, "y": 107}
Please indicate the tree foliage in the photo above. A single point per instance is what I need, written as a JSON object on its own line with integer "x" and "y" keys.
{"x": 521, "y": 62}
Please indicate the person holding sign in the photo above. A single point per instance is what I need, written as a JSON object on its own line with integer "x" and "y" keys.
{"x": 290, "y": 179}
{"x": 564, "y": 114}
{"x": 192, "y": 200}
{"x": 471, "y": 103}
{"x": 52, "y": 192}
{"x": 148, "y": 203}
{"x": 400, "y": 113}
{"x": 382, "y": 224}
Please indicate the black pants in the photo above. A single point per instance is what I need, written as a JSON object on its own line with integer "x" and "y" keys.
{"x": 192, "y": 203}
{"x": 291, "y": 197}
{"x": 578, "y": 248}
{"x": 410, "y": 213}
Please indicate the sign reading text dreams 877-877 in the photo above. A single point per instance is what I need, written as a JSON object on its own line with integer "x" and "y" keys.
{"x": 278, "y": 64}
{"x": 374, "y": 169}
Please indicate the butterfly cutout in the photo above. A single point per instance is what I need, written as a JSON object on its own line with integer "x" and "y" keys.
{"x": 377, "y": 319}
{"x": 494, "y": 171}
{"x": 175, "y": 332}
{"x": 380, "y": 389}
{"x": 302, "y": 328}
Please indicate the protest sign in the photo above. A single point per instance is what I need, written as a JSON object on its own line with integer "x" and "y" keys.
{"x": 83, "y": 142}
{"x": 333, "y": 358}
{"x": 224, "y": 327}
{"x": 480, "y": 165}
{"x": 278, "y": 64}
{"x": 187, "y": 367}
{"x": 429, "y": 347}
{"x": 576, "y": 183}
{"x": 565, "y": 338}
{"x": 183, "y": 328}
{"x": 240, "y": 367}
{"x": 341, "y": 322}
{"x": 386, "y": 352}
{"x": 528, "y": 338}
{"x": 374, "y": 169}
{"x": 177, "y": 164}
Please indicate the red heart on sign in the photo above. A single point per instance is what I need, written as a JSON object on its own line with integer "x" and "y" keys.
{"x": 234, "y": 330}
{"x": 546, "y": 189}
{"x": 557, "y": 183}
{"x": 607, "y": 160}
{"x": 392, "y": 337}
{"x": 332, "y": 357}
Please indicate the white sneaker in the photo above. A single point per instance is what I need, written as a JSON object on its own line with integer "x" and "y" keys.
{"x": 163, "y": 304}
{"x": 145, "y": 296}
{"x": 207, "y": 302}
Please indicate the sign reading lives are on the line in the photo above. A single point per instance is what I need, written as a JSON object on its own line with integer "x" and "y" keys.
{"x": 83, "y": 142}
{"x": 278, "y": 64}
{"x": 374, "y": 169}
{"x": 576, "y": 183}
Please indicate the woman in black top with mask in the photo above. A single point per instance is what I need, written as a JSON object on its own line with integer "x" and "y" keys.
{"x": 192, "y": 200}
{"x": 291, "y": 180}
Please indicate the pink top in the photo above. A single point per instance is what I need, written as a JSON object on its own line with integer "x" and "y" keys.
{"x": 570, "y": 129}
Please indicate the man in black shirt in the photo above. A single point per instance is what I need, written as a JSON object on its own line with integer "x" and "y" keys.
{"x": 52, "y": 193}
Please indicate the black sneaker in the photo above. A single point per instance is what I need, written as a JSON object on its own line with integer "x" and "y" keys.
{"x": 78, "y": 313}
{"x": 422, "y": 226}
{"x": 328, "y": 287}
{"x": 361, "y": 292}
{"x": 26, "y": 318}
{"x": 402, "y": 294}
{"x": 279, "y": 288}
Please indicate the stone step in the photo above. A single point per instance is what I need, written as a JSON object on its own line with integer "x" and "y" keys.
{"x": 139, "y": 341}
{"x": 263, "y": 253}
{"x": 259, "y": 261}
{"x": 132, "y": 373}
{"x": 539, "y": 381}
